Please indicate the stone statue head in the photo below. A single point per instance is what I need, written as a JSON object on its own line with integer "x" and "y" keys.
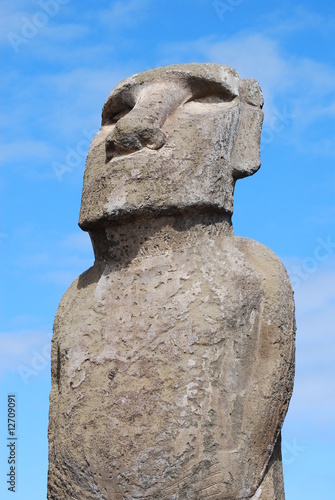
{"x": 172, "y": 140}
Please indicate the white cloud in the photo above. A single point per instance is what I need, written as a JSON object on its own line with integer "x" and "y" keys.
{"x": 314, "y": 393}
{"x": 74, "y": 102}
{"x": 23, "y": 150}
{"x": 324, "y": 282}
{"x": 278, "y": 23}
{"x": 252, "y": 55}
{"x": 123, "y": 13}
{"x": 324, "y": 148}
{"x": 66, "y": 107}
{"x": 81, "y": 80}
{"x": 64, "y": 33}
{"x": 85, "y": 52}
{"x": 19, "y": 348}
{"x": 23, "y": 21}
{"x": 54, "y": 258}
{"x": 11, "y": 14}
{"x": 298, "y": 89}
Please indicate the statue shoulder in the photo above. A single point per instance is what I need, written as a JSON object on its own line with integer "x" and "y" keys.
{"x": 266, "y": 262}
{"x": 81, "y": 291}
{"x": 277, "y": 310}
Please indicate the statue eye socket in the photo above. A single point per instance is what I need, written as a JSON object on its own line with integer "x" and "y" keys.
{"x": 116, "y": 116}
{"x": 212, "y": 99}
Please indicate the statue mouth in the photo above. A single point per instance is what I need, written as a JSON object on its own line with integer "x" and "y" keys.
{"x": 114, "y": 156}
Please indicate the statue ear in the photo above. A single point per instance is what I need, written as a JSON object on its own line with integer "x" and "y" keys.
{"x": 245, "y": 159}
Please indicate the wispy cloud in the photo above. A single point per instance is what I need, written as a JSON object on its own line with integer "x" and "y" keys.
{"x": 23, "y": 23}
{"x": 252, "y": 54}
{"x": 314, "y": 395}
{"x": 20, "y": 150}
{"x": 278, "y": 23}
{"x": 123, "y": 13}
{"x": 57, "y": 263}
{"x": 301, "y": 88}
{"x": 18, "y": 348}
{"x": 11, "y": 14}
{"x": 323, "y": 280}
{"x": 52, "y": 117}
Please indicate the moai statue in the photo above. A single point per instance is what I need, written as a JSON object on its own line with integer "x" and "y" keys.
{"x": 173, "y": 356}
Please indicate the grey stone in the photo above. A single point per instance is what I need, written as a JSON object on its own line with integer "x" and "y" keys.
{"x": 173, "y": 356}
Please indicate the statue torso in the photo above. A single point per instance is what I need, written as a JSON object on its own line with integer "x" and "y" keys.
{"x": 161, "y": 365}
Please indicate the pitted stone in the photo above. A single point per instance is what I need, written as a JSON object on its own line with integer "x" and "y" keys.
{"x": 173, "y": 356}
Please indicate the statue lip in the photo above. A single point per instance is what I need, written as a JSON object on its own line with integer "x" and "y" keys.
{"x": 119, "y": 156}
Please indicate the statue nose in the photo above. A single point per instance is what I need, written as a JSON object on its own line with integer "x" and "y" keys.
{"x": 132, "y": 133}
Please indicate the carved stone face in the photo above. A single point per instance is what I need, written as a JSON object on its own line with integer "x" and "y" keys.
{"x": 172, "y": 139}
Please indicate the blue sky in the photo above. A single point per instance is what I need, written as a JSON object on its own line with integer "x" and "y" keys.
{"x": 60, "y": 59}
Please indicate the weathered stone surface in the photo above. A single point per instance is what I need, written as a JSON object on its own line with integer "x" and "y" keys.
{"x": 173, "y": 356}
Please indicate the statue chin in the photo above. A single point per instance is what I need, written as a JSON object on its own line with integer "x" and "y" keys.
{"x": 173, "y": 356}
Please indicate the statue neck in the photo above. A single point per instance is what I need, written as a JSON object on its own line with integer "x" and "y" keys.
{"x": 142, "y": 237}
